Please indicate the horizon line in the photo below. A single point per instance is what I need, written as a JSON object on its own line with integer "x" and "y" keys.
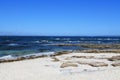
{"x": 69, "y": 35}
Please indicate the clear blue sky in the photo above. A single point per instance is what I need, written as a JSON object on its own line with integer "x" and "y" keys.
{"x": 60, "y": 17}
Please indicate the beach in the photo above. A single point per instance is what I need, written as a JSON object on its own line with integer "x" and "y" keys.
{"x": 71, "y": 66}
{"x": 59, "y": 39}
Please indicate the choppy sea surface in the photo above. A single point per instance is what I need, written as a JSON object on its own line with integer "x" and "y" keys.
{"x": 14, "y": 46}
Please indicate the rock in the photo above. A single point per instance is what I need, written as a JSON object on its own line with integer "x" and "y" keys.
{"x": 83, "y": 63}
{"x": 91, "y": 51}
{"x": 61, "y": 53}
{"x": 114, "y": 58}
{"x": 68, "y": 58}
{"x": 55, "y": 59}
{"x": 98, "y": 64}
{"x": 88, "y": 57}
{"x": 116, "y": 64}
{"x": 68, "y": 64}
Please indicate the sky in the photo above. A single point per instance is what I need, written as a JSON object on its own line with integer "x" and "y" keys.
{"x": 60, "y": 17}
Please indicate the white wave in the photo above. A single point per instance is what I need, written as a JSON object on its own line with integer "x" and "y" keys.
{"x": 13, "y": 44}
{"x": 37, "y": 42}
{"x": 39, "y": 54}
{"x": 66, "y": 39}
{"x": 44, "y": 41}
{"x": 72, "y": 41}
{"x": 57, "y": 39}
{"x": 8, "y": 57}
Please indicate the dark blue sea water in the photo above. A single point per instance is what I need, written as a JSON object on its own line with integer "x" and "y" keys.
{"x": 24, "y": 45}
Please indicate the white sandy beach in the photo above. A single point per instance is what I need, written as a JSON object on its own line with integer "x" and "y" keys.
{"x": 49, "y": 68}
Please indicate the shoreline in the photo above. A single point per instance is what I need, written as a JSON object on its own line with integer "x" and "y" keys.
{"x": 40, "y": 55}
{"x": 33, "y": 56}
{"x": 85, "y": 48}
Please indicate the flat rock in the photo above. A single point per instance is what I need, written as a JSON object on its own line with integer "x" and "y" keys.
{"x": 55, "y": 59}
{"x": 116, "y": 64}
{"x": 87, "y": 57}
{"x": 98, "y": 64}
{"x": 114, "y": 58}
{"x": 68, "y": 64}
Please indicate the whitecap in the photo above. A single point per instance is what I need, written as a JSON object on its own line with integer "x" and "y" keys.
{"x": 44, "y": 41}
{"x": 37, "y": 41}
{"x": 12, "y": 44}
{"x": 57, "y": 39}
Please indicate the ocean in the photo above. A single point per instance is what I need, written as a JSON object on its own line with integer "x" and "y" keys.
{"x": 15, "y": 46}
